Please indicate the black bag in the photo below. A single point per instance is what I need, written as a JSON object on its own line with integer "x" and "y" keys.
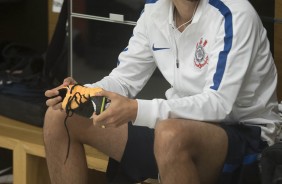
{"x": 271, "y": 164}
{"x": 20, "y": 64}
{"x": 21, "y": 91}
{"x": 25, "y": 75}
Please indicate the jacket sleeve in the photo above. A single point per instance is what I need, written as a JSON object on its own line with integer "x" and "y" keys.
{"x": 235, "y": 47}
{"x": 136, "y": 65}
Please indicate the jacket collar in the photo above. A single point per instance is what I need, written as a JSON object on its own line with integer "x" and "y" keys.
{"x": 162, "y": 14}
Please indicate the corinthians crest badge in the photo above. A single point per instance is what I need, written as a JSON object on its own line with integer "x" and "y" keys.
{"x": 201, "y": 58}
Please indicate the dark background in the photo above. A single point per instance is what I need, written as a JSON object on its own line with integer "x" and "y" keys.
{"x": 25, "y": 22}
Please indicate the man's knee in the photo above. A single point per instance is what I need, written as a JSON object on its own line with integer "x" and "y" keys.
{"x": 170, "y": 140}
{"x": 165, "y": 134}
{"x": 53, "y": 124}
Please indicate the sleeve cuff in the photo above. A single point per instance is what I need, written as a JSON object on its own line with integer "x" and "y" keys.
{"x": 146, "y": 114}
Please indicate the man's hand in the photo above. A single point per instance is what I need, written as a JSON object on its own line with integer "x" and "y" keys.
{"x": 121, "y": 111}
{"x": 54, "y": 100}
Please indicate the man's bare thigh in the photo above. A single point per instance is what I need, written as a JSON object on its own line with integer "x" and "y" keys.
{"x": 206, "y": 142}
{"x": 110, "y": 141}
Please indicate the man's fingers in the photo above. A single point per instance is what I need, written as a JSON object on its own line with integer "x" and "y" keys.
{"x": 99, "y": 119}
{"x": 68, "y": 81}
{"x": 104, "y": 125}
{"x": 51, "y": 93}
{"x": 57, "y": 106}
{"x": 53, "y": 101}
{"x": 105, "y": 94}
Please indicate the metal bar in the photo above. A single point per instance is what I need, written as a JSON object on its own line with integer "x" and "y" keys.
{"x": 92, "y": 17}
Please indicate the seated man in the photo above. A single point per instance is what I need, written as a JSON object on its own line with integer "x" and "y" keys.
{"x": 218, "y": 115}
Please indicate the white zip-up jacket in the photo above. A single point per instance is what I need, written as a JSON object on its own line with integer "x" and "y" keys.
{"x": 220, "y": 67}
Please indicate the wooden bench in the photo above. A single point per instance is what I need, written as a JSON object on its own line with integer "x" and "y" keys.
{"x": 29, "y": 164}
